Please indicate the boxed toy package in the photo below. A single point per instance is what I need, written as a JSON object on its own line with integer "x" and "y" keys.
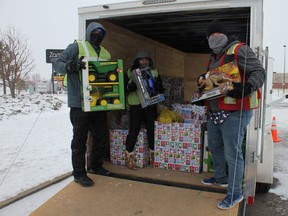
{"x": 207, "y": 165}
{"x": 103, "y": 86}
{"x": 191, "y": 113}
{"x": 217, "y": 82}
{"x": 145, "y": 87}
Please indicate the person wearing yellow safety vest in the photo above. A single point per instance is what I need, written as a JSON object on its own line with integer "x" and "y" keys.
{"x": 228, "y": 116}
{"x": 138, "y": 114}
{"x": 70, "y": 63}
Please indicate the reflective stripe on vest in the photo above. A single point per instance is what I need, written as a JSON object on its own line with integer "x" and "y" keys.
{"x": 85, "y": 49}
{"x": 231, "y": 50}
{"x": 229, "y": 100}
{"x": 253, "y": 98}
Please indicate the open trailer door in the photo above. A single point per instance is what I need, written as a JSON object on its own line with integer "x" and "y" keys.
{"x": 177, "y": 28}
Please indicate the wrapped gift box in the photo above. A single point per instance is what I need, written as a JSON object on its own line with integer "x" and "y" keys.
{"x": 191, "y": 113}
{"x": 118, "y": 147}
{"x": 178, "y": 146}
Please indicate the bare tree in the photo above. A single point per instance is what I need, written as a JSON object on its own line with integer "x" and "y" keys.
{"x": 17, "y": 59}
{"x": 3, "y": 53}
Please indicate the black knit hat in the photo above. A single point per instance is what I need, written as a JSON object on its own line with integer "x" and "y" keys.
{"x": 215, "y": 26}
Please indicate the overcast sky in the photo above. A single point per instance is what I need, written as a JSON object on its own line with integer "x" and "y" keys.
{"x": 53, "y": 24}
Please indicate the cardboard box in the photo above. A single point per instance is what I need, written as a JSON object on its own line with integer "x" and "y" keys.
{"x": 217, "y": 82}
{"x": 207, "y": 165}
{"x": 145, "y": 92}
{"x": 178, "y": 147}
{"x": 103, "y": 86}
{"x": 191, "y": 113}
{"x": 118, "y": 147}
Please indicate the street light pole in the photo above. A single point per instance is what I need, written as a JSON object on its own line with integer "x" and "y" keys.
{"x": 284, "y": 69}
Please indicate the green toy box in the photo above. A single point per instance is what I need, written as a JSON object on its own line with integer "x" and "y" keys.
{"x": 207, "y": 165}
{"x": 103, "y": 86}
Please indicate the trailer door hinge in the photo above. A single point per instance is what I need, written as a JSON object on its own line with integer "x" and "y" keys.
{"x": 252, "y": 157}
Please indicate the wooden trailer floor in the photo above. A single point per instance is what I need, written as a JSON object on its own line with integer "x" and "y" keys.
{"x": 145, "y": 192}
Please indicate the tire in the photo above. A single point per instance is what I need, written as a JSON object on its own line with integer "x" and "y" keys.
{"x": 262, "y": 187}
{"x": 102, "y": 102}
{"x": 112, "y": 76}
{"x": 92, "y": 77}
{"x": 116, "y": 101}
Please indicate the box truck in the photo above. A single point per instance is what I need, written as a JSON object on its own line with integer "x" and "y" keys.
{"x": 174, "y": 31}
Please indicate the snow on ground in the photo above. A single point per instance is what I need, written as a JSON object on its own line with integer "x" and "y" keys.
{"x": 27, "y": 104}
{"x": 281, "y": 150}
{"x": 35, "y": 136}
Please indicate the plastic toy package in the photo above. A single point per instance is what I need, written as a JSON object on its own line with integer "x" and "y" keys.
{"x": 103, "y": 86}
{"x": 145, "y": 89}
{"x": 217, "y": 82}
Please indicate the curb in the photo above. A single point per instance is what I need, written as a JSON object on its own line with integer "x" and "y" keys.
{"x": 34, "y": 190}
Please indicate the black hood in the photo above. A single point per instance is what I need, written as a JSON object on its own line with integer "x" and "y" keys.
{"x": 91, "y": 27}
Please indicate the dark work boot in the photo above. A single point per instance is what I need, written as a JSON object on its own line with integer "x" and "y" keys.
{"x": 99, "y": 171}
{"x": 84, "y": 181}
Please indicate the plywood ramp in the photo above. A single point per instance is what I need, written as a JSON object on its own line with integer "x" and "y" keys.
{"x": 163, "y": 176}
{"x": 120, "y": 197}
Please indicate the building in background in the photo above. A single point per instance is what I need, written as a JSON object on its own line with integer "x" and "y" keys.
{"x": 278, "y": 81}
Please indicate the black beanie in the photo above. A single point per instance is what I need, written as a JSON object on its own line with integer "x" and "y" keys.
{"x": 215, "y": 26}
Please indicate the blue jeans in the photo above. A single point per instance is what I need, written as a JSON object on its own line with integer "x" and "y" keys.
{"x": 224, "y": 142}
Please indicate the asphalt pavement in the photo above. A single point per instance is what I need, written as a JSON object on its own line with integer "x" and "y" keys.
{"x": 268, "y": 204}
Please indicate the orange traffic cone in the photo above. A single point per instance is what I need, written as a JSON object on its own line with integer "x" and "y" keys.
{"x": 274, "y": 131}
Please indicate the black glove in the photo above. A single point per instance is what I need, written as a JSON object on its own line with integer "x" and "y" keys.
{"x": 145, "y": 74}
{"x": 131, "y": 87}
{"x": 239, "y": 90}
{"x": 75, "y": 65}
{"x": 199, "y": 103}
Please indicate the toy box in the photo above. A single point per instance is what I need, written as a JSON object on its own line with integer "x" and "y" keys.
{"x": 217, "y": 82}
{"x": 117, "y": 148}
{"x": 207, "y": 165}
{"x": 191, "y": 113}
{"x": 103, "y": 86}
{"x": 145, "y": 91}
{"x": 178, "y": 146}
